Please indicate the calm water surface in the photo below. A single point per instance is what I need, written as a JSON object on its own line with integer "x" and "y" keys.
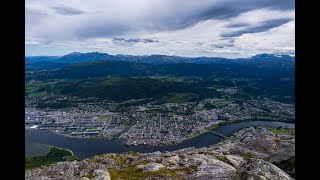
{"x": 89, "y": 147}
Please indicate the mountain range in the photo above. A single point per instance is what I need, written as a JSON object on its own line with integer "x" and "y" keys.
{"x": 109, "y": 77}
{"x": 77, "y": 57}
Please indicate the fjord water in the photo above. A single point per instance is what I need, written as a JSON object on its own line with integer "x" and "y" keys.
{"x": 89, "y": 147}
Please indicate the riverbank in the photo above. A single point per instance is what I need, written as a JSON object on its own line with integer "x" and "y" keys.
{"x": 212, "y": 127}
{"x": 85, "y": 148}
{"x": 216, "y": 126}
{"x": 251, "y": 153}
{"x": 206, "y": 130}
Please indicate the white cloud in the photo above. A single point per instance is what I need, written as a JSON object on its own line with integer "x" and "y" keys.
{"x": 276, "y": 40}
{"x": 192, "y": 28}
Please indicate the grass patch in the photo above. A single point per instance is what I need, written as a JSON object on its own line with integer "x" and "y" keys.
{"x": 247, "y": 156}
{"x": 133, "y": 173}
{"x": 131, "y": 153}
{"x": 281, "y": 130}
{"x": 121, "y": 159}
{"x": 89, "y": 175}
{"x": 118, "y": 159}
{"x": 231, "y": 137}
{"x": 220, "y": 158}
{"x": 212, "y": 127}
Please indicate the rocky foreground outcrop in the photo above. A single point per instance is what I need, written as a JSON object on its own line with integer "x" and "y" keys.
{"x": 251, "y": 153}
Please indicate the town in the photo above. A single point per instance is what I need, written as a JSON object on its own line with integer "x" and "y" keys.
{"x": 143, "y": 121}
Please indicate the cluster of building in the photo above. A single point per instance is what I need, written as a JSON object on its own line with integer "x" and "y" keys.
{"x": 163, "y": 129}
{"x": 148, "y": 123}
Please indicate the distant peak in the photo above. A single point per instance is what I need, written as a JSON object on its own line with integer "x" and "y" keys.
{"x": 89, "y": 53}
{"x": 263, "y": 55}
{"x": 271, "y": 56}
{"x": 75, "y": 53}
{"x": 95, "y": 53}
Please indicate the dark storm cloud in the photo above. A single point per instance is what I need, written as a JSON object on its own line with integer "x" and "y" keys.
{"x": 134, "y": 40}
{"x": 224, "y": 42}
{"x": 168, "y": 18}
{"x": 226, "y": 9}
{"x": 264, "y": 26}
{"x": 220, "y": 46}
{"x": 236, "y": 25}
{"x": 94, "y": 24}
{"x": 232, "y": 8}
{"x": 65, "y": 10}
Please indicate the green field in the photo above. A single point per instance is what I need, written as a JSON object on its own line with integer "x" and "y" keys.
{"x": 37, "y": 88}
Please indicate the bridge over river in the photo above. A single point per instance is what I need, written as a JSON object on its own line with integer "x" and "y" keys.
{"x": 218, "y": 134}
{"x": 88, "y": 147}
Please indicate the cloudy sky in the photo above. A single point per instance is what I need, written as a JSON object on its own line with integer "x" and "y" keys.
{"x": 224, "y": 28}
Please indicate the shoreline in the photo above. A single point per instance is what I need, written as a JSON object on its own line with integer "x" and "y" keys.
{"x": 62, "y": 149}
{"x": 123, "y": 142}
{"x": 206, "y": 130}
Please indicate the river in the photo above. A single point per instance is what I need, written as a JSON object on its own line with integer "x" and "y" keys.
{"x": 88, "y": 147}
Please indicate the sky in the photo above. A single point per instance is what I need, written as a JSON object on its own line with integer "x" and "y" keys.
{"x": 190, "y": 28}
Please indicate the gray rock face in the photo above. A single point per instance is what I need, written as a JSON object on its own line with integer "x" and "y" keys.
{"x": 172, "y": 160}
{"x": 252, "y": 153}
{"x": 67, "y": 170}
{"x": 257, "y": 169}
{"x": 151, "y": 167}
{"x": 260, "y": 143}
{"x": 100, "y": 174}
{"x": 235, "y": 160}
{"x": 211, "y": 168}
